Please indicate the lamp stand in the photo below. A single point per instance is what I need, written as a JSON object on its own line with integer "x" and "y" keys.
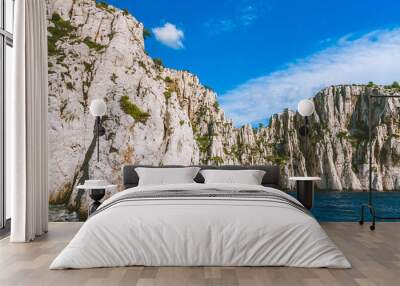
{"x": 370, "y": 205}
{"x": 306, "y": 141}
{"x": 303, "y": 130}
{"x": 99, "y": 130}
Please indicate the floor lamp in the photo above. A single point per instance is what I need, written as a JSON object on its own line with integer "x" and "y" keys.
{"x": 98, "y": 108}
{"x": 306, "y": 108}
{"x": 370, "y": 205}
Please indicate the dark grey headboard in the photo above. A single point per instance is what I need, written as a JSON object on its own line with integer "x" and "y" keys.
{"x": 271, "y": 178}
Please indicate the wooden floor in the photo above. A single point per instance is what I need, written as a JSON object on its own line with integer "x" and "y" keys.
{"x": 375, "y": 257}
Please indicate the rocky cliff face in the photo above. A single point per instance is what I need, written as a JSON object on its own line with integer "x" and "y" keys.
{"x": 158, "y": 116}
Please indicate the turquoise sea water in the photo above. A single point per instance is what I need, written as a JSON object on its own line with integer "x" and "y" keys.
{"x": 345, "y": 206}
{"x": 328, "y": 206}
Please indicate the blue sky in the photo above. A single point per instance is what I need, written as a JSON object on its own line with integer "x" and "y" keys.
{"x": 261, "y": 56}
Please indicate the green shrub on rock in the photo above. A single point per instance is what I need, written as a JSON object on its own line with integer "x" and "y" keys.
{"x": 133, "y": 110}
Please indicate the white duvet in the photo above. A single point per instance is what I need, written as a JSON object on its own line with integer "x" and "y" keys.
{"x": 200, "y": 231}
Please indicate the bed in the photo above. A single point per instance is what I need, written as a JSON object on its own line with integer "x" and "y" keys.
{"x": 201, "y": 224}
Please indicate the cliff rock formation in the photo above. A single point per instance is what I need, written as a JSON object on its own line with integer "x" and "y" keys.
{"x": 158, "y": 116}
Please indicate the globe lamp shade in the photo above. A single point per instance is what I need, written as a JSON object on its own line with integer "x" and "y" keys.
{"x": 98, "y": 107}
{"x": 306, "y": 107}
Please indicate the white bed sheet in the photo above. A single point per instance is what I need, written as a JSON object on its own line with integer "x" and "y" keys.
{"x": 200, "y": 232}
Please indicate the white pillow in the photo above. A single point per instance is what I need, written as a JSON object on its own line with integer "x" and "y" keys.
{"x": 248, "y": 177}
{"x": 166, "y": 176}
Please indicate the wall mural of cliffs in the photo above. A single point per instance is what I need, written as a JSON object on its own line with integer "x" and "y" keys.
{"x": 159, "y": 116}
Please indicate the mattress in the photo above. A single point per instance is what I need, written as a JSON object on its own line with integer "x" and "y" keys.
{"x": 201, "y": 225}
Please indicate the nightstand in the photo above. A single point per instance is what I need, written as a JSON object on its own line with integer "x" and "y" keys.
{"x": 96, "y": 193}
{"x": 305, "y": 190}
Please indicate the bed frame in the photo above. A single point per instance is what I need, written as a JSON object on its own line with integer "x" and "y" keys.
{"x": 270, "y": 179}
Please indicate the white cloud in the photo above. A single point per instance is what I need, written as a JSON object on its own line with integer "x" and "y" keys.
{"x": 245, "y": 14}
{"x": 218, "y": 26}
{"x": 169, "y": 35}
{"x": 248, "y": 15}
{"x": 371, "y": 57}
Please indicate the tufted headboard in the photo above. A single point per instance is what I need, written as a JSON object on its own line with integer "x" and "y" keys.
{"x": 271, "y": 177}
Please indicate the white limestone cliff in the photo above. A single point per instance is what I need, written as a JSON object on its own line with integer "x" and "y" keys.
{"x": 158, "y": 116}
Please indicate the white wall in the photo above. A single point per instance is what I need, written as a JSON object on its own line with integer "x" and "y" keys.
{"x": 8, "y": 144}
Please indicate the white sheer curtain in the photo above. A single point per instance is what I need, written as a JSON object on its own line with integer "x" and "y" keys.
{"x": 27, "y": 119}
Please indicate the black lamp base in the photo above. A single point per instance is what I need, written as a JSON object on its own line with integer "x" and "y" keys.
{"x": 373, "y": 215}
